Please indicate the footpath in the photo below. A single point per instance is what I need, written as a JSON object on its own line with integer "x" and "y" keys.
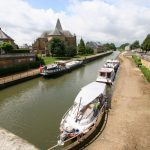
{"x": 128, "y": 126}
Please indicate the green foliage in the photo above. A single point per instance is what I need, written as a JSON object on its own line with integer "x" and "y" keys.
{"x": 109, "y": 46}
{"x": 20, "y": 51}
{"x": 71, "y": 51}
{"x": 146, "y": 72}
{"x": 57, "y": 47}
{"x": 123, "y": 46}
{"x": 144, "y": 69}
{"x": 135, "y": 45}
{"x": 146, "y": 43}
{"x": 34, "y": 64}
{"x": 81, "y": 47}
{"x": 89, "y": 50}
{"x": 7, "y": 47}
{"x": 137, "y": 60}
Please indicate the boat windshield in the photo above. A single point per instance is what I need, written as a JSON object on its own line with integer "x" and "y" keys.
{"x": 109, "y": 75}
{"x": 102, "y": 74}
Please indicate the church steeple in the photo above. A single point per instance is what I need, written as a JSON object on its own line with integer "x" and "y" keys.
{"x": 58, "y": 25}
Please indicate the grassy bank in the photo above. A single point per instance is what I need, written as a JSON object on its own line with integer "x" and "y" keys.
{"x": 144, "y": 69}
{"x": 50, "y": 59}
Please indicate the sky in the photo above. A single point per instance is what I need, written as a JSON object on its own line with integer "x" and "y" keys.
{"x": 117, "y": 21}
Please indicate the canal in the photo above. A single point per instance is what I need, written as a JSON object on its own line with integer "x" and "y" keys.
{"x": 33, "y": 109}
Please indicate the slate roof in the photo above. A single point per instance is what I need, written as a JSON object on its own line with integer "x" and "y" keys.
{"x": 93, "y": 44}
{"x": 59, "y": 31}
{"x": 4, "y": 35}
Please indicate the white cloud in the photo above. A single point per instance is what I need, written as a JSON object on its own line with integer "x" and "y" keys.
{"x": 99, "y": 20}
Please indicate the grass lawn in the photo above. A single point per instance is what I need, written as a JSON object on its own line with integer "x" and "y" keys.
{"x": 49, "y": 60}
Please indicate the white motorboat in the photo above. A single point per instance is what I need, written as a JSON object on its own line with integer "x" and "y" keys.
{"x": 112, "y": 63}
{"x": 88, "y": 104}
{"x": 73, "y": 64}
{"x": 106, "y": 75}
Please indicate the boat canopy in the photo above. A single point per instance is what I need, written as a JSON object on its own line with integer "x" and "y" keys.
{"x": 112, "y": 61}
{"x": 106, "y": 70}
{"x": 89, "y": 93}
{"x": 51, "y": 66}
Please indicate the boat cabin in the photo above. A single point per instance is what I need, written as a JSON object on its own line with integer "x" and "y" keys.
{"x": 106, "y": 75}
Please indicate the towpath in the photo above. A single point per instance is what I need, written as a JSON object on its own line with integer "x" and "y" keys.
{"x": 128, "y": 126}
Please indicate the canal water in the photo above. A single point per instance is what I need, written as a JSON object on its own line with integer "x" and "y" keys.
{"x": 33, "y": 109}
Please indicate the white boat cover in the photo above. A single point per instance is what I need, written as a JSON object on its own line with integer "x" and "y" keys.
{"x": 89, "y": 92}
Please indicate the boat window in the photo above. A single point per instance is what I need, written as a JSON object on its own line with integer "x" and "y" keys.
{"x": 108, "y": 75}
{"x": 102, "y": 74}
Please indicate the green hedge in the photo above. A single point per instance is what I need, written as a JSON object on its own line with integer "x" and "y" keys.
{"x": 137, "y": 60}
{"x": 19, "y": 68}
{"x": 20, "y": 51}
{"x": 146, "y": 72}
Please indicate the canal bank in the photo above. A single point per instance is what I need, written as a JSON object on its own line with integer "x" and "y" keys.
{"x": 33, "y": 109}
{"x": 9, "y": 141}
{"x": 128, "y": 122}
{"x": 31, "y": 74}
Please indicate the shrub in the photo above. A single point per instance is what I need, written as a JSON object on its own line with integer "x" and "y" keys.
{"x": 137, "y": 60}
{"x": 20, "y": 51}
{"x": 35, "y": 64}
{"x": 146, "y": 72}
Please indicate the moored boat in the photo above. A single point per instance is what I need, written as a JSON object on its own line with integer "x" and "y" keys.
{"x": 112, "y": 63}
{"x": 106, "y": 75}
{"x": 80, "y": 118}
{"x": 59, "y": 68}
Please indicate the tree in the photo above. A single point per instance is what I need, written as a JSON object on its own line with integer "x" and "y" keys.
{"x": 135, "y": 45}
{"x": 123, "y": 46}
{"x": 71, "y": 51}
{"x": 81, "y": 47}
{"x": 7, "y": 47}
{"x": 146, "y": 43}
{"x": 110, "y": 46}
{"x": 89, "y": 50}
{"x": 57, "y": 47}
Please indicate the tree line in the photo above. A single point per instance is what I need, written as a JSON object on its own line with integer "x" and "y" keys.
{"x": 58, "y": 48}
{"x": 145, "y": 46}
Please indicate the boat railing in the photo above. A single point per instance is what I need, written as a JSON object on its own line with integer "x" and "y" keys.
{"x": 65, "y": 115}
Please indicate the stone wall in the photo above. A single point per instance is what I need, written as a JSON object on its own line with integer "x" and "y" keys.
{"x": 16, "y": 59}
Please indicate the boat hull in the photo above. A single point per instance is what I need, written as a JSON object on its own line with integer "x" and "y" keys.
{"x": 61, "y": 71}
{"x": 80, "y": 140}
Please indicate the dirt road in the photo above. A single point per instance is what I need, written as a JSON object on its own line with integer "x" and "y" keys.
{"x": 128, "y": 126}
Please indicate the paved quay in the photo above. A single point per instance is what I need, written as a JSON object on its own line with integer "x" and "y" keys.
{"x": 9, "y": 141}
{"x": 128, "y": 126}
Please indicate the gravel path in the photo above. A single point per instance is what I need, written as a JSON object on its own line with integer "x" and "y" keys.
{"x": 128, "y": 126}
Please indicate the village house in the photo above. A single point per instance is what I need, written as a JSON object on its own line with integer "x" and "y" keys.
{"x": 5, "y": 38}
{"x": 96, "y": 46}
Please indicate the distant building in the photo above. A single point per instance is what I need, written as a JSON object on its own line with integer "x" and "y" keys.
{"x": 25, "y": 46}
{"x": 5, "y": 38}
{"x": 41, "y": 43}
{"x": 127, "y": 48}
{"x": 96, "y": 46}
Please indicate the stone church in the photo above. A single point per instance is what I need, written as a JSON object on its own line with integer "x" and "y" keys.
{"x": 41, "y": 43}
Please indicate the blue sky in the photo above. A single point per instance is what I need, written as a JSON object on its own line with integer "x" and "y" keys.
{"x": 56, "y": 5}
